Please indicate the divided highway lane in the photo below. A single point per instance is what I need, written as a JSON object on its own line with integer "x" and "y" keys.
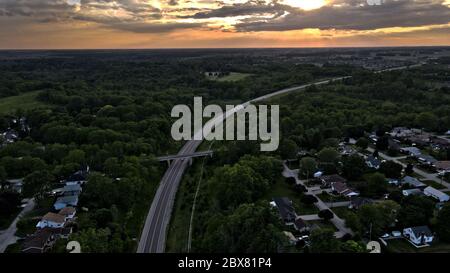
{"x": 153, "y": 237}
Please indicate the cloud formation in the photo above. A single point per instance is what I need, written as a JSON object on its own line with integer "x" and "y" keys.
{"x": 234, "y": 20}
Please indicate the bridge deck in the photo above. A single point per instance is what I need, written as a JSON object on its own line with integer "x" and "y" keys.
{"x": 173, "y": 157}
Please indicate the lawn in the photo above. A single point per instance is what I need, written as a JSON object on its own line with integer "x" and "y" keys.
{"x": 282, "y": 189}
{"x": 325, "y": 197}
{"x": 23, "y": 101}
{"x": 323, "y": 224}
{"x": 233, "y": 77}
{"x": 434, "y": 184}
{"x": 403, "y": 246}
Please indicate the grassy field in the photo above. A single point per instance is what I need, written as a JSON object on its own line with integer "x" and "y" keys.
{"x": 233, "y": 77}
{"x": 434, "y": 184}
{"x": 403, "y": 246}
{"x": 24, "y": 101}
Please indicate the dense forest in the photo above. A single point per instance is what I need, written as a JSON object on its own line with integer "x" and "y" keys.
{"x": 110, "y": 111}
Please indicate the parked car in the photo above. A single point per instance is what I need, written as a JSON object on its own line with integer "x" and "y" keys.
{"x": 396, "y": 233}
{"x": 386, "y": 235}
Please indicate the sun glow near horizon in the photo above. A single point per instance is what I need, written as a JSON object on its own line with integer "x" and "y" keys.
{"x": 305, "y": 4}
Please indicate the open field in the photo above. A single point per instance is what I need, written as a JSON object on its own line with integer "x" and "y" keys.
{"x": 24, "y": 101}
{"x": 233, "y": 77}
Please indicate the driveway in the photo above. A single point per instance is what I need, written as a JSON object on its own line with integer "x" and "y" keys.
{"x": 7, "y": 236}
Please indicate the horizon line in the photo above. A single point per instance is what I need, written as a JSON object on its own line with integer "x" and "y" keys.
{"x": 213, "y": 48}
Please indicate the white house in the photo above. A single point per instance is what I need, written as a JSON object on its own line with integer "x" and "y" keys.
{"x": 66, "y": 201}
{"x": 412, "y": 192}
{"x": 437, "y": 194}
{"x": 52, "y": 220}
{"x": 419, "y": 236}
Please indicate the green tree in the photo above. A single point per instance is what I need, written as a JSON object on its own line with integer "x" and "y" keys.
{"x": 249, "y": 229}
{"x": 362, "y": 143}
{"x": 415, "y": 211}
{"x": 427, "y": 120}
{"x": 288, "y": 149}
{"x": 391, "y": 169}
{"x": 378, "y": 217}
{"x": 443, "y": 223}
{"x": 323, "y": 241}
{"x": 351, "y": 246}
{"x": 308, "y": 166}
{"x": 37, "y": 183}
{"x": 354, "y": 167}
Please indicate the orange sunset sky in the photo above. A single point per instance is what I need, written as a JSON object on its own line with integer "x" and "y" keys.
{"x": 81, "y": 24}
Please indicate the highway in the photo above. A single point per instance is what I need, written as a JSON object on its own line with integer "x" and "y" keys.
{"x": 153, "y": 237}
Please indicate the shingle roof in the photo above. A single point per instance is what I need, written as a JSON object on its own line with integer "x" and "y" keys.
{"x": 418, "y": 231}
{"x": 67, "y": 211}
{"x": 53, "y": 217}
{"x": 285, "y": 208}
{"x": 333, "y": 178}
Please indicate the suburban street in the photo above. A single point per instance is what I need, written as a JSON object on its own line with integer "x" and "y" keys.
{"x": 427, "y": 176}
{"x": 7, "y": 237}
{"x": 337, "y": 222}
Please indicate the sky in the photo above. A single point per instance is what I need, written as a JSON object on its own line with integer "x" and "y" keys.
{"x": 90, "y": 24}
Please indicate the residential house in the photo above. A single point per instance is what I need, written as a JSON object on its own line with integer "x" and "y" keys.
{"x": 427, "y": 159}
{"x": 71, "y": 189}
{"x": 442, "y": 166}
{"x": 439, "y": 143}
{"x": 413, "y": 182}
{"x": 356, "y": 202}
{"x": 68, "y": 213}
{"x": 66, "y": 201}
{"x": 343, "y": 189}
{"x": 52, "y": 220}
{"x": 419, "y": 236}
{"x": 327, "y": 180}
{"x": 345, "y": 149}
{"x": 373, "y": 162}
{"x": 301, "y": 225}
{"x": 411, "y": 151}
{"x": 419, "y": 140}
{"x": 401, "y": 132}
{"x": 412, "y": 192}
{"x": 10, "y": 136}
{"x": 79, "y": 177}
{"x": 285, "y": 208}
{"x": 392, "y": 181}
{"x": 44, "y": 239}
{"x": 15, "y": 185}
{"x": 437, "y": 194}
{"x": 393, "y": 145}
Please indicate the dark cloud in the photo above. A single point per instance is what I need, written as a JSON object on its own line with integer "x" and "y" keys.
{"x": 248, "y": 8}
{"x": 139, "y": 20}
{"x": 401, "y": 13}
